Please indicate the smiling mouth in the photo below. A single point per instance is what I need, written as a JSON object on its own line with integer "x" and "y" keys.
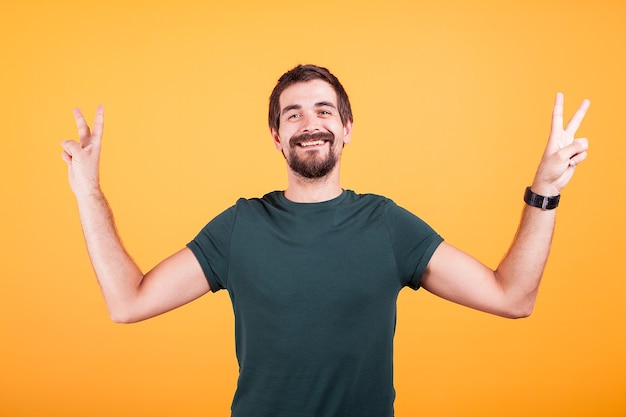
{"x": 312, "y": 140}
{"x": 312, "y": 143}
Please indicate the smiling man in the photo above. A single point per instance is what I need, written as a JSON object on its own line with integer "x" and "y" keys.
{"x": 314, "y": 271}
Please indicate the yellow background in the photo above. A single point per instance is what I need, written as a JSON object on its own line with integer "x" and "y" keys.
{"x": 452, "y": 103}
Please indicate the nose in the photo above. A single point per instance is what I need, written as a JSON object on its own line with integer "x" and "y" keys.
{"x": 310, "y": 123}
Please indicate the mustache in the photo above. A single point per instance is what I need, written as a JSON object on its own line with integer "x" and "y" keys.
{"x": 326, "y": 136}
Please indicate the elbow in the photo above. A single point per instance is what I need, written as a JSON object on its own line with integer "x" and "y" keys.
{"x": 121, "y": 316}
{"x": 521, "y": 314}
{"x": 120, "y": 319}
{"x": 520, "y": 310}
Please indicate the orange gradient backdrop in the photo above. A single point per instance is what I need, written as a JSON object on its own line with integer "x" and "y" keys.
{"x": 452, "y": 103}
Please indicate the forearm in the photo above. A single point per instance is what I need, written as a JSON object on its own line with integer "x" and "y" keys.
{"x": 519, "y": 273}
{"x": 118, "y": 275}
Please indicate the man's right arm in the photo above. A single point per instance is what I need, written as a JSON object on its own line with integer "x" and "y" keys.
{"x": 129, "y": 294}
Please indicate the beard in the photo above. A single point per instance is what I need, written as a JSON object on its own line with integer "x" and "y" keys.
{"x": 313, "y": 166}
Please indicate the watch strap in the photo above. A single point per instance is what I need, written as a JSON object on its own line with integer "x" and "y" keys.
{"x": 540, "y": 201}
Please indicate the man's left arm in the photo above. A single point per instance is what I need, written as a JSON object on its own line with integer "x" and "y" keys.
{"x": 511, "y": 289}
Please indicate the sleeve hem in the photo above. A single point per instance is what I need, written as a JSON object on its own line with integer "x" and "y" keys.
{"x": 414, "y": 283}
{"x": 206, "y": 268}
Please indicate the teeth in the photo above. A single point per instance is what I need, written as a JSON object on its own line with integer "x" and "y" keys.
{"x": 314, "y": 143}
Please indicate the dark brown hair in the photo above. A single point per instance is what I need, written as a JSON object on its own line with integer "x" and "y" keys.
{"x": 304, "y": 73}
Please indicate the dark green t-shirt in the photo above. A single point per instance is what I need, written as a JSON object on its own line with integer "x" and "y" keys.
{"x": 314, "y": 289}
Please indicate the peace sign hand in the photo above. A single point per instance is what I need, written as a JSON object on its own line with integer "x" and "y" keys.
{"x": 83, "y": 157}
{"x": 563, "y": 152}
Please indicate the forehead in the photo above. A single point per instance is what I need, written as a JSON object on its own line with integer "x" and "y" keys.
{"x": 308, "y": 92}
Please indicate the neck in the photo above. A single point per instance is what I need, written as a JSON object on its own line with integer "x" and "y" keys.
{"x": 313, "y": 190}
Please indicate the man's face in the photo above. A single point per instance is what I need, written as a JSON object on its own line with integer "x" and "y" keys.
{"x": 311, "y": 135}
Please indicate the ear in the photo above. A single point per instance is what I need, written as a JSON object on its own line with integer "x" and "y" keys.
{"x": 347, "y": 132}
{"x": 276, "y": 138}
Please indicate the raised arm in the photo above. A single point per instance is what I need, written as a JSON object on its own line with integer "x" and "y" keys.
{"x": 129, "y": 294}
{"x": 511, "y": 289}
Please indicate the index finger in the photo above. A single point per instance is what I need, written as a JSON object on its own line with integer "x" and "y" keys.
{"x": 81, "y": 124}
{"x": 576, "y": 120}
{"x": 557, "y": 113}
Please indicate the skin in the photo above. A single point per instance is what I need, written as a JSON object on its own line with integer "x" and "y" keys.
{"x": 509, "y": 291}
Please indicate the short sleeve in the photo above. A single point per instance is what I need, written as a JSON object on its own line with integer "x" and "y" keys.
{"x": 212, "y": 248}
{"x": 414, "y": 243}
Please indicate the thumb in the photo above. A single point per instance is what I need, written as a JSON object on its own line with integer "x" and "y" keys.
{"x": 70, "y": 147}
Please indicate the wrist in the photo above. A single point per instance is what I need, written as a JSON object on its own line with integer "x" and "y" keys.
{"x": 88, "y": 192}
{"x": 544, "y": 202}
{"x": 548, "y": 190}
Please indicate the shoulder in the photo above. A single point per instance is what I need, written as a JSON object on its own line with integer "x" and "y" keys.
{"x": 397, "y": 217}
{"x": 367, "y": 199}
{"x": 259, "y": 210}
{"x": 269, "y": 199}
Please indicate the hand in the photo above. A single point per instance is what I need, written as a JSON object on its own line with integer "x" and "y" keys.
{"x": 563, "y": 153}
{"x": 83, "y": 157}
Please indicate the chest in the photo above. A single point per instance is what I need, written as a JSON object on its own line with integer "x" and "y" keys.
{"x": 324, "y": 262}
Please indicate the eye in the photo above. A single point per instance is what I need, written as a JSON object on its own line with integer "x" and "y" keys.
{"x": 293, "y": 116}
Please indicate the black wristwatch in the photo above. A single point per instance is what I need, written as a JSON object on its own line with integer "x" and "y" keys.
{"x": 540, "y": 201}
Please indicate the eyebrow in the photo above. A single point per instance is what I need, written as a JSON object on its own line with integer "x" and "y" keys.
{"x": 291, "y": 107}
{"x": 325, "y": 104}
{"x": 298, "y": 107}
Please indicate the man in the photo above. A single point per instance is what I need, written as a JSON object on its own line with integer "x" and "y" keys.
{"x": 314, "y": 271}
